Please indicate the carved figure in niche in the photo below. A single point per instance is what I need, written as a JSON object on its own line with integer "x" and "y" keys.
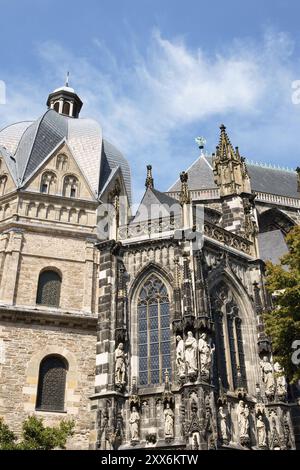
{"x": 191, "y": 350}
{"x": 134, "y": 424}
{"x": 120, "y": 365}
{"x": 180, "y": 361}
{"x": 169, "y": 421}
{"x": 206, "y": 354}
{"x": 268, "y": 377}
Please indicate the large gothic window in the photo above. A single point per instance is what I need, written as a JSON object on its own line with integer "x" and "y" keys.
{"x": 52, "y": 384}
{"x": 230, "y": 364}
{"x": 49, "y": 285}
{"x": 153, "y": 332}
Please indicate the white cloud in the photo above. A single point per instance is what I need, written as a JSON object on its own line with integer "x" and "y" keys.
{"x": 143, "y": 104}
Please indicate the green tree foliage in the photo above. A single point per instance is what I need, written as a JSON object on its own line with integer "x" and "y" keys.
{"x": 283, "y": 323}
{"x": 36, "y": 436}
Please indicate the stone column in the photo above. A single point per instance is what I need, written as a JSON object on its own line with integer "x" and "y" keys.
{"x": 11, "y": 266}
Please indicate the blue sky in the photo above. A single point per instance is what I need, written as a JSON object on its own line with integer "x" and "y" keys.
{"x": 156, "y": 74}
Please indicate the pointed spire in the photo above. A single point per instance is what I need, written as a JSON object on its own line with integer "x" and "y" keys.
{"x": 149, "y": 183}
{"x": 225, "y": 149}
{"x": 229, "y": 167}
{"x": 185, "y": 197}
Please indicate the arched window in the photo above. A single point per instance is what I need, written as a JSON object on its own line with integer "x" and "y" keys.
{"x": 153, "y": 332}
{"x": 230, "y": 364}
{"x": 66, "y": 108}
{"x": 49, "y": 285}
{"x": 70, "y": 186}
{"x": 62, "y": 162}
{"x": 52, "y": 384}
{"x": 56, "y": 106}
{"x": 48, "y": 182}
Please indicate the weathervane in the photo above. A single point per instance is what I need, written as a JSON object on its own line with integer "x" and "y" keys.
{"x": 201, "y": 142}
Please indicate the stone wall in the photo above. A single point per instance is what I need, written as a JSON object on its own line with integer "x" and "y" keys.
{"x": 22, "y": 349}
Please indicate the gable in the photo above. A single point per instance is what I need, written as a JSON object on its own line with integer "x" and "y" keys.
{"x": 61, "y": 173}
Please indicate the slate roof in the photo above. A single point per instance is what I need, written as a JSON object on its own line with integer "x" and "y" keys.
{"x": 263, "y": 179}
{"x": 156, "y": 204}
{"x": 31, "y": 143}
{"x": 272, "y": 246}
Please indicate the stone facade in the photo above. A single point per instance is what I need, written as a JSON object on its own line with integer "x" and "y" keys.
{"x": 159, "y": 320}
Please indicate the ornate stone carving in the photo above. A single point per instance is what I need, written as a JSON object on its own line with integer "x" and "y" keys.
{"x": 261, "y": 432}
{"x": 243, "y": 422}
{"x": 281, "y": 384}
{"x": 191, "y": 352}
{"x": 268, "y": 378}
{"x": 206, "y": 352}
{"x": 169, "y": 422}
{"x": 223, "y": 425}
{"x": 134, "y": 422}
{"x": 180, "y": 357}
{"x": 120, "y": 366}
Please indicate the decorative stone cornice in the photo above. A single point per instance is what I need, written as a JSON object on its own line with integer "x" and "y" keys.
{"x": 50, "y": 318}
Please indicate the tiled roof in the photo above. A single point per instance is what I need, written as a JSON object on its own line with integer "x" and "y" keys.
{"x": 31, "y": 143}
{"x": 263, "y": 179}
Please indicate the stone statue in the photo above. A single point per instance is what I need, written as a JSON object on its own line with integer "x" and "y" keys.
{"x": 120, "y": 367}
{"x": 191, "y": 350}
{"x": 169, "y": 421}
{"x": 243, "y": 419}
{"x": 180, "y": 362}
{"x": 281, "y": 384}
{"x": 134, "y": 424}
{"x": 206, "y": 354}
{"x": 222, "y": 417}
{"x": 261, "y": 432}
{"x": 268, "y": 376}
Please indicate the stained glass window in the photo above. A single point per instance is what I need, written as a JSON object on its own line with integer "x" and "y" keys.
{"x": 49, "y": 289}
{"x": 52, "y": 384}
{"x": 154, "y": 332}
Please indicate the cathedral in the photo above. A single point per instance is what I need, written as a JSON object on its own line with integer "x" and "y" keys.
{"x": 144, "y": 328}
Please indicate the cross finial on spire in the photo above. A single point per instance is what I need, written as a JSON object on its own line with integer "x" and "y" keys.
{"x": 149, "y": 183}
{"x": 67, "y": 79}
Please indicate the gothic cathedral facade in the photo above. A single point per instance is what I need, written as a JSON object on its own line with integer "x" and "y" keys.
{"x": 146, "y": 329}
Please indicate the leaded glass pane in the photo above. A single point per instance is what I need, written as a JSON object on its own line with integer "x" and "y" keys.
{"x": 52, "y": 383}
{"x": 154, "y": 331}
{"x": 154, "y": 336}
{"x": 143, "y": 350}
{"x": 165, "y": 321}
{"x": 165, "y": 334}
{"x": 49, "y": 289}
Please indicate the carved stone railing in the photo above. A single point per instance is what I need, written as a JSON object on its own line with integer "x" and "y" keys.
{"x": 228, "y": 238}
{"x": 149, "y": 228}
{"x": 198, "y": 194}
{"x": 280, "y": 200}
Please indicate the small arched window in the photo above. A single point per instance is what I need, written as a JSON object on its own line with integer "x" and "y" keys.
{"x": 49, "y": 286}
{"x": 52, "y": 384}
{"x": 153, "y": 332}
{"x": 62, "y": 162}
{"x": 70, "y": 186}
{"x": 56, "y": 106}
{"x": 66, "y": 108}
{"x": 48, "y": 182}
